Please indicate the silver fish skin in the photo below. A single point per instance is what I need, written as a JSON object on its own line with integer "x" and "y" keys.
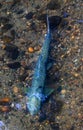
{"x": 36, "y": 91}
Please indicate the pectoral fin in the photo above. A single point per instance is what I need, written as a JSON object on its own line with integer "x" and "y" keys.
{"x": 48, "y": 91}
{"x": 49, "y": 65}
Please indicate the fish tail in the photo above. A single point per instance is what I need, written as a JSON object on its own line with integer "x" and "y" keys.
{"x": 48, "y": 25}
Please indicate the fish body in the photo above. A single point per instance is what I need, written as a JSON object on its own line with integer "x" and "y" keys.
{"x": 38, "y": 92}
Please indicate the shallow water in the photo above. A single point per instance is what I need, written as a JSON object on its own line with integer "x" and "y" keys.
{"x": 22, "y": 31}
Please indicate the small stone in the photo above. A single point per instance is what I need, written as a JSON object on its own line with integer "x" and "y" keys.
{"x": 72, "y": 37}
{"x": 15, "y": 89}
{"x": 75, "y": 74}
{"x": 18, "y": 106}
{"x": 63, "y": 91}
{"x": 4, "y": 108}
{"x": 5, "y": 99}
{"x": 31, "y": 49}
{"x": 3, "y": 47}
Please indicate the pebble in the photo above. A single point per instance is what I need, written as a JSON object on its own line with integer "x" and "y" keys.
{"x": 72, "y": 37}
{"x": 18, "y": 106}
{"x": 3, "y": 47}
{"x": 75, "y": 74}
{"x": 63, "y": 91}
{"x": 15, "y": 89}
{"x": 12, "y": 51}
{"x": 1, "y": 124}
{"x": 5, "y": 99}
{"x": 4, "y": 108}
{"x": 31, "y": 49}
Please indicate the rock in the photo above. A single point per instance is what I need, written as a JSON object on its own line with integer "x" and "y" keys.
{"x": 15, "y": 89}
{"x": 31, "y": 49}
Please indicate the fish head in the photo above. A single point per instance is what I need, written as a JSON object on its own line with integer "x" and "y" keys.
{"x": 33, "y": 105}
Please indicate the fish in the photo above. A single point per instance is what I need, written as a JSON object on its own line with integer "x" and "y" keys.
{"x": 38, "y": 92}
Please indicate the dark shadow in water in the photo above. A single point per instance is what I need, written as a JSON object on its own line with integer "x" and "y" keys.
{"x": 49, "y": 112}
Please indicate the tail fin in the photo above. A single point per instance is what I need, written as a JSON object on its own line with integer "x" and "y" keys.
{"x": 48, "y": 25}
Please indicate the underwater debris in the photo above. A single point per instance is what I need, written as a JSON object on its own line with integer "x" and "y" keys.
{"x": 4, "y": 108}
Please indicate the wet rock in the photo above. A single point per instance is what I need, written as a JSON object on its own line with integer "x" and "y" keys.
{"x": 6, "y": 27}
{"x": 52, "y": 5}
{"x": 14, "y": 65}
{"x": 29, "y": 15}
{"x": 12, "y": 51}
